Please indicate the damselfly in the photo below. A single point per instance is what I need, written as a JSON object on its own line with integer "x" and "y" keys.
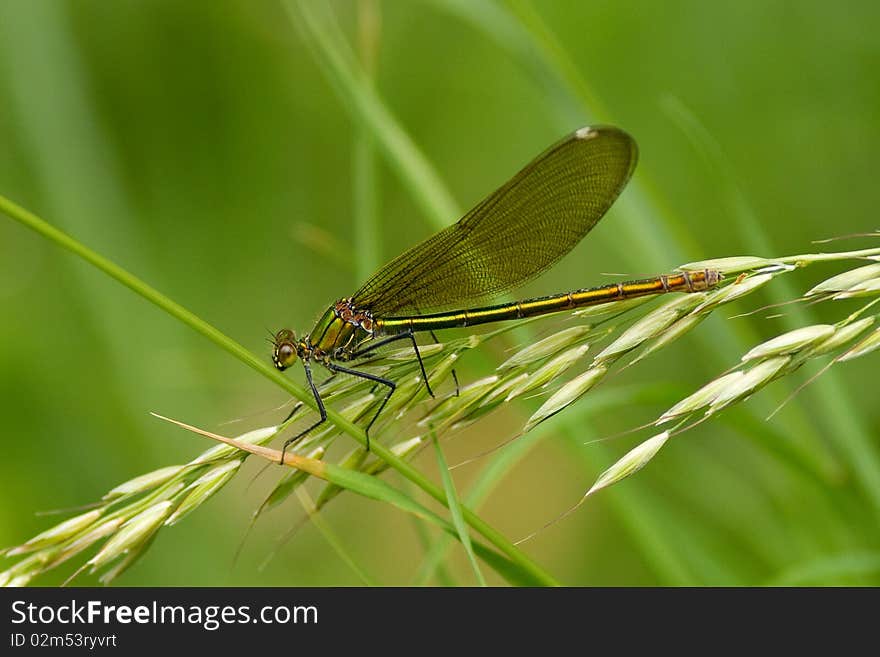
{"x": 513, "y": 235}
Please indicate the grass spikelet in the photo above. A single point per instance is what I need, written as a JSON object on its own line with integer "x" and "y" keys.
{"x": 630, "y": 463}
{"x": 790, "y": 342}
{"x": 282, "y": 490}
{"x": 649, "y": 326}
{"x": 134, "y": 533}
{"x": 701, "y": 398}
{"x": 843, "y": 334}
{"x": 678, "y": 328}
{"x": 203, "y": 488}
{"x": 739, "y": 288}
{"x": 750, "y": 382}
{"x": 57, "y": 534}
{"x": 864, "y": 347}
{"x": 845, "y": 281}
{"x": 144, "y": 482}
{"x": 546, "y": 347}
{"x": 548, "y": 372}
{"x": 569, "y": 393}
{"x": 729, "y": 265}
{"x": 864, "y": 289}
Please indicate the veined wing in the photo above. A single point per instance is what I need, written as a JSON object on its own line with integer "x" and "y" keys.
{"x": 516, "y": 233}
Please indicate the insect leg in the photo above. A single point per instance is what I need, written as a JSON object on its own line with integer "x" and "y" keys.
{"x": 299, "y": 404}
{"x": 321, "y": 410}
{"x": 454, "y": 375}
{"x": 393, "y": 338}
{"x": 371, "y": 377}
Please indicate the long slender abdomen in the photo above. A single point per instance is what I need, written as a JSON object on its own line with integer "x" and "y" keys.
{"x": 680, "y": 282}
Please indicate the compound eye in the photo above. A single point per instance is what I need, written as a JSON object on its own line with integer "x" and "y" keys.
{"x": 285, "y": 354}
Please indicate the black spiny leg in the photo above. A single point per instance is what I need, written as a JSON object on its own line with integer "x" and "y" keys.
{"x": 372, "y": 346}
{"x": 298, "y": 405}
{"x": 370, "y": 377}
{"x": 454, "y": 375}
{"x": 321, "y": 410}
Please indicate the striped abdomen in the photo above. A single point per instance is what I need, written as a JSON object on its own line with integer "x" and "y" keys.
{"x": 681, "y": 282}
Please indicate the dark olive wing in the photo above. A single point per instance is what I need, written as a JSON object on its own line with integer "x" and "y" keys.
{"x": 516, "y": 233}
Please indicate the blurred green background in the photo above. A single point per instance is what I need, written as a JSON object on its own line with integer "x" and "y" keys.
{"x": 190, "y": 141}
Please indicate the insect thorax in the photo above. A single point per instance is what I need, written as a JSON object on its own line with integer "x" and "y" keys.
{"x": 340, "y": 328}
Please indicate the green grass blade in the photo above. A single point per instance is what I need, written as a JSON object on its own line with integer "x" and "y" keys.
{"x": 402, "y": 154}
{"x": 332, "y": 539}
{"x": 455, "y": 510}
{"x": 378, "y": 489}
{"x": 365, "y": 169}
{"x": 428, "y": 545}
{"x": 366, "y": 202}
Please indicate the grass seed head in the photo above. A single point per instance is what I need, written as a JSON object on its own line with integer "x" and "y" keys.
{"x": 842, "y": 335}
{"x": 549, "y": 371}
{"x": 631, "y": 462}
{"x": 791, "y": 342}
{"x": 58, "y": 533}
{"x": 649, "y": 326}
{"x": 701, "y": 398}
{"x": 144, "y": 482}
{"x": 866, "y": 346}
{"x": 864, "y": 289}
{"x": 546, "y": 347}
{"x": 846, "y": 280}
{"x": 570, "y": 392}
{"x": 749, "y": 383}
{"x": 203, "y": 488}
{"x": 729, "y": 265}
{"x": 132, "y": 534}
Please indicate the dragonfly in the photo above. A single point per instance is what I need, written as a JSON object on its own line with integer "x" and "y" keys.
{"x": 513, "y": 235}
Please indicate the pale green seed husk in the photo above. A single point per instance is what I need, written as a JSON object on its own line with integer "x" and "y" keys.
{"x": 203, "y": 488}
{"x": 288, "y": 483}
{"x": 650, "y": 325}
{"x": 570, "y": 392}
{"x": 549, "y": 371}
{"x": 133, "y": 533}
{"x": 865, "y": 289}
{"x": 846, "y": 280}
{"x": 406, "y": 447}
{"x": 751, "y": 381}
{"x": 496, "y": 395}
{"x": 791, "y": 342}
{"x": 673, "y": 333}
{"x": 406, "y": 353}
{"x": 618, "y": 306}
{"x": 866, "y": 346}
{"x": 631, "y": 462}
{"x": 546, "y": 347}
{"x": 144, "y": 482}
{"x": 84, "y": 541}
{"x": 255, "y": 437}
{"x": 701, "y": 398}
{"x": 730, "y": 265}
{"x": 453, "y": 405}
{"x": 842, "y": 335}
{"x": 59, "y": 533}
